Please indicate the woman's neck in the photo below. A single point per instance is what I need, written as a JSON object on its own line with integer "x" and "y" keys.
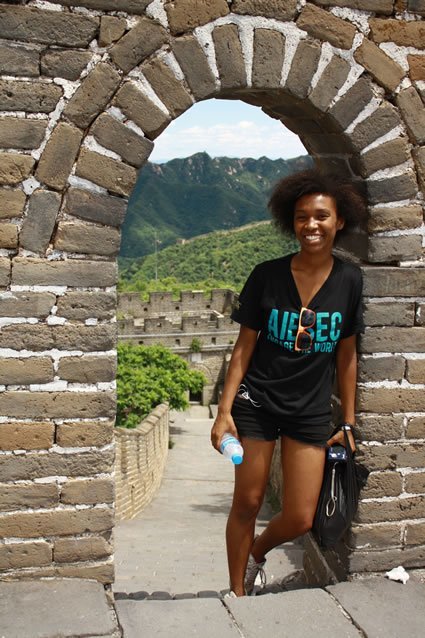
{"x": 312, "y": 262}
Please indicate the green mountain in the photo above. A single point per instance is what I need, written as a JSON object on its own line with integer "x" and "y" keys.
{"x": 187, "y": 197}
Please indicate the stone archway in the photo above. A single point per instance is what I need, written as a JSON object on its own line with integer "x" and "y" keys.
{"x": 86, "y": 90}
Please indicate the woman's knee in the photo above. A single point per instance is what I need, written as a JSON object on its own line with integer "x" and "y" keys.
{"x": 300, "y": 522}
{"x": 247, "y": 506}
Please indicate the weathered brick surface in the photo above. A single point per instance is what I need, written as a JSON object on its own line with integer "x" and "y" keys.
{"x": 416, "y": 6}
{"x": 18, "y": 133}
{"x": 116, "y": 176}
{"x": 375, "y": 535}
{"x": 69, "y": 337}
{"x": 56, "y": 523}
{"x": 303, "y": 67}
{"x": 325, "y": 26}
{"x": 385, "y": 70}
{"x": 5, "y": 269}
{"x": 416, "y": 427}
{"x": 389, "y": 313}
{"x": 32, "y": 97}
{"x": 331, "y": 80}
{"x": 8, "y": 235}
{"x": 114, "y": 135}
{"x": 18, "y": 555}
{"x": 16, "y": 497}
{"x": 352, "y": 103}
{"x": 388, "y": 339}
{"x": 50, "y": 27}
{"x": 130, "y": 6}
{"x": 85, "y": 433}
{"x": 385, "y": 155}
{"x": 393, "y": 282}
{"x": 415, "y": 534}
{"x": 84, "y": 237}
{"x": 26, "y": 304}
{"x": 59, "y": 156}
{"x": 413, "y": 112}
{"x": 401, "y": 32}
{"x": 325, "y": 144}
{"x": 14, "y": 168}
{"x": 93, "y": 94}
{"x": 416, "y": 370}
{"x": 229, "y": 57}
{"x": 391, "y": 456}
{"x": 111, "y": 29}
{"x": 69, "y": 550}
{"x": 169, "y": 89}
{"x": 382, "y": 560}
{"x": 64, "y": 63}
{"x": 390, "y": 399}
{"x": 26, "y": 436}
{"x": 12, "y": 203}
{"x": 382, "y": 369}
{"x": 377, "y": 6}
{"x": 380, "y": 427}
{"x": 186, "y": 15}
{"x": 269, "y": 52}
{"x": 415, "y": 483}
{"x": 27, "y": 271}
{"x": 94, "y": 207}
{"x": 18, "y": 60}
{"x": 194, "y": 65}
{"x": 103, "y": 572}
{"x": 383, "y": 484}
{"x": 419, "y": 158}
{"x": 24, "y": 371}
{"x": 136, "y": 106}
{"x": 388, "y": 249}
{"x": 87, "y": 492}
{"x": 85, "y": 305}
{"x": 420, "y": 314}
{"x": 392, "y": 189}
{"x": 416, "y": 67}
{"x": 143, "y": 40}
{"x": 87, "y": 369}
{"x": 267, "y": 8}
{"x": 380, "y": 122}
{"x": 40, "y": 220}
{"x": 397, "y": 510}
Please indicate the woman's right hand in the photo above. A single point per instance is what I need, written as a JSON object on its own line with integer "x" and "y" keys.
{"x": 223, "y": 424}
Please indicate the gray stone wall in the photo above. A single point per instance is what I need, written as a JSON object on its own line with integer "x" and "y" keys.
{"x": 86, "y": 87}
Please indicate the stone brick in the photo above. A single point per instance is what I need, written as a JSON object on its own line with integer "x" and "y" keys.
{"x": 396, "y": 510}
{"x": 81, "y": 549}
{"x": 49, "y": 27}
{"x": 266, "y": 8}
{"x": 19, "y": 133}
{"x": 114, "y": 135}
{"x": 385, "y": 155}
{"x": 229, "y": 57}
{"x": 102, "y": 572}
{"x": 40, "y": 495}
{"x": 94, "y": 207}
{"x": 129, "y": 6}
{"x": 392, "y": 189}
{"x": 389, "y": 313}
{"x": 79, "y": 306}
{"x": 56, "y": 522}
{"x": 5, "y": 270}
{"x": 32, "y": 97}
{"x": 388, "y": 339}
{"x": 374, "y": 535}
{"x": 269, "y": 52}
{"x": 391, "y": 369}
{"x": 388, "y": 249}
{"x": 331, "y": 80}
{"x": 18, "y": 60}
{"x": 415, "y": 533}
{"x": 74, "y": 273}
{"x": 379, "y": 428}
{"x": 415, "y": 370}
{"x": 194, "y": 64}
{"x": 416, "y": 67}
{"x": 61, "y": 405}
{"x": 14, "y": 168}
{"x": 413, "y": 112}
{"x": 19, "y": 555}
{"x": 169, "y": 89}
{"x": 415, "y": 483}
{"x": 352, "y": 103}
{"x": 8, "y": 235}
{"x": 59, "y": 156}
{"x": 93, "y": 95}
{"x": 12, "y": 203}
{"x": 40, "y": 221}
{"x": 325, "y": 26}
{"x": 138, "y": 44}
{"x": 382, "y": 560}
{"x": 416, "y": 427}
{"x": 87, "y": 492}
{"x": 391, "y": 456}
{"x": 186, "y": 15}
{"x": 111, "y": 29}
{"x": 136, "y": 106}
{"x": 390, "y": 399}
{"x": 87, "y": 369}
{"x": 85, "y": 433}
{"x": 26, "y": 304}
{"x": 25, "y": 371}
{"x": 420, "y": 314}
{"x": 323, "y": 143}
{"x": 394, "y": 282}
{"x": 401, "y": 32}
{"x": 383, "y": 120}
{"x": 386, "y": 71}
{"x": 116, "y": 176}
{"x": 416, "y": 6}
{"x": 26, "y": 436}
{"x": 86, "y": 238}
{"x": 382, "y": 484}
{"x": 56, "y": 63}
{"x": 40, "y": 337}
{"x": 419, "y": 158}
{"x": 303, "y": 67}
{"x": 376, "y": 6}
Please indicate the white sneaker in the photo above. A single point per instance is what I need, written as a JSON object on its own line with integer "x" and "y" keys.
{"x": 254, "y": 570}
{"x": 230, "y": 594}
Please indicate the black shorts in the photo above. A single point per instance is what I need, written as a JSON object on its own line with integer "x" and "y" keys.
{"x": 254, "y": 423}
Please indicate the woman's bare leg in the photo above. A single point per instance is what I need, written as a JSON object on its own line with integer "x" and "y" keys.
{"x": 250, "y": 485}
{"x": 302, "y": 471}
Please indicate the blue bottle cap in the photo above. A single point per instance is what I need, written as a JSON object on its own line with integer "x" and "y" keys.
{"x": 237, "y": 459}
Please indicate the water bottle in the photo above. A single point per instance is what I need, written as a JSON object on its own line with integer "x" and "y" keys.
{"x": 231, "y": 449}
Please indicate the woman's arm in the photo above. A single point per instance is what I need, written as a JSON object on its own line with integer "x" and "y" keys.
{"x": 239, "y": 362}
{"x": 346, "y": 372}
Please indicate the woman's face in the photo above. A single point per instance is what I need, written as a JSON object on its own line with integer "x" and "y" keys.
{"x": 316, "y": 222}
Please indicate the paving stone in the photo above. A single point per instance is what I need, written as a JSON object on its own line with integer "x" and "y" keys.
{"x": 12, "y": 203}
{"x": 269, "y": 52}
{"x": 19, "y": 133}
{"x": 194, "y": 64}
{"x": 168, "y": 88}
{"x": 139, "y": 43}
{"x": 25, "y": 371}
{"x": 383, "y": 120}
{"x": 85, "y": 305}
{"x": 331, "y": 80}
{"x": 32, "y": 97}
{"x": 117, "y": 137}
{"x": 116, "y": 176}
{"x": 229, "y": 57}
{"x": 85, "y": 433}
{"x": 8, "y": 235}
{"x": 39, "y": 337}
{"x": 325, "y": 26}
{"x": 386, "y": 71}
{"x": 59, "y": 156}
{"x": 352, "y": 102}
{"x": 139, "y": 108}
{"x": 66, "y": 64}
{"x": 14, "y": 168}
{"x": 87, "y": 369}
{"x": 392, "y": 189}
{"x": 385, "y": 155}
{"x": 268, "y": 8}
{"x": 86, "y": 238}
{"x": 402, "y": 32}
{"x": 40, "y": 221}
{"x": 18, "y": 60}
{"x": 303, "y": 67}
{"x": 413, "y": 112}
{"x": 186, "y": 15}
{"x": 74, "y": 273}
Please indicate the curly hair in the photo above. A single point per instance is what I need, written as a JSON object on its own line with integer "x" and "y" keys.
{"x": 350, "y": 204}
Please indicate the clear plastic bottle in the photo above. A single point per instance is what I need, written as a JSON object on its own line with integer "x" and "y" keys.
{"x": 231, "y": 449}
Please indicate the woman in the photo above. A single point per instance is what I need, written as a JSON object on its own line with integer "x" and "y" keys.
{"x": 299, "y": 317}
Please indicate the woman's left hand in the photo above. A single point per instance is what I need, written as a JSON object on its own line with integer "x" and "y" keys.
{"x": 339, "y": 439}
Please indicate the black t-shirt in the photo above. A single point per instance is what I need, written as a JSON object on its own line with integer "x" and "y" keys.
{"x": 290, "y": 385}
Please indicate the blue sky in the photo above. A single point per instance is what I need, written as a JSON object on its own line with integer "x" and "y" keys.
{"x": 226, "y": 128}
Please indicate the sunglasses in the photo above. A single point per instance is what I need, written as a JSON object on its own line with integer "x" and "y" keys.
{"x": 303, "y": 339}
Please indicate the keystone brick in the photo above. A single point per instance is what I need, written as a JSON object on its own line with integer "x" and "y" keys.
{"x": 17, "y": 60}
{"x": 81, "y": 549}
{"x": 389, "y": 314}
{"x": 194, "y": 64}
{"x": 352, "y": 103}
{"x": 397, "y": 510}
{"x": 84, "y": 237}
{"x": 380, "y": 369}
{"x": 19, "y": 555}
{"x": 26, "y": 436}
{"x": 94, "y": 207}
{"x": 331, "y": 80}
{"x": 59, "y": 156}
{"x": 111, "y": 29}
{"x": 267, "y": 8}
{"x": 19, "y": 133}
{"x": 40, "y": 337}
{"x": 383, "y": 484}
{"x": 93, "y": 95}
{"x": 136, "y": 106}
{"x": 139, "y": 43}
{"x": 374, "y": 535}
{"x": 413, "y": 112}
{"x": 85, "y": 305}
{"x": 8, "y": 235}
{"x": 390, "y": 399}
{"x": 169, "y": 89}
{"x": 415, "y": 533}
{"x": 40, "y": 221}
{"x": 12, "y": 203}
{"x": 391, "y": 456}
{"x": 5, "y": 268}
{"x": 49, "y": 27}
{"x": 186, "y": 15}
{"x": 17, "y": 497}
{"x": 381, "y": 560}
{"x": 401, "y": 32}
{"x": 415, "y": 482}
{"x": 85, "y": 433}
{"x": 392, "y": 189}
{"x": 388, "y": 249}
{"x": 387, "y": 339}
{"x": 383, "y": 120}
{"x": 116, "y": 176}
{"x": 25, "y": 371}
{"x": 14, "y": 168}
{"x": 416, "y": 428}
{"x": 269, "y": 52}
{"x": 303, "y": 67}
{"x": 64, "y": 64}
{"x": 32, "y": 97}
{"x": 324, "y": 26}
{"x": 26, "y": 304}
{"x": 385, "y": 155}
{"x": 394, "y": 282}
{"x": 376, "y": 6}
{"x": 129, "y": 6}
{"x": 72, "y": 273}
{"x": 114, "y": 135}
{"x": 379, "y": 428}
{"x": 229, "y": 57}
{"x": 415, "y": 371}
{"x": 87, "y": 492}
{"x": 416, "y": 67}
{"x": 87, "y": 369}
{"x": 386, "y": 72}
{"x": 56, "y": 523}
